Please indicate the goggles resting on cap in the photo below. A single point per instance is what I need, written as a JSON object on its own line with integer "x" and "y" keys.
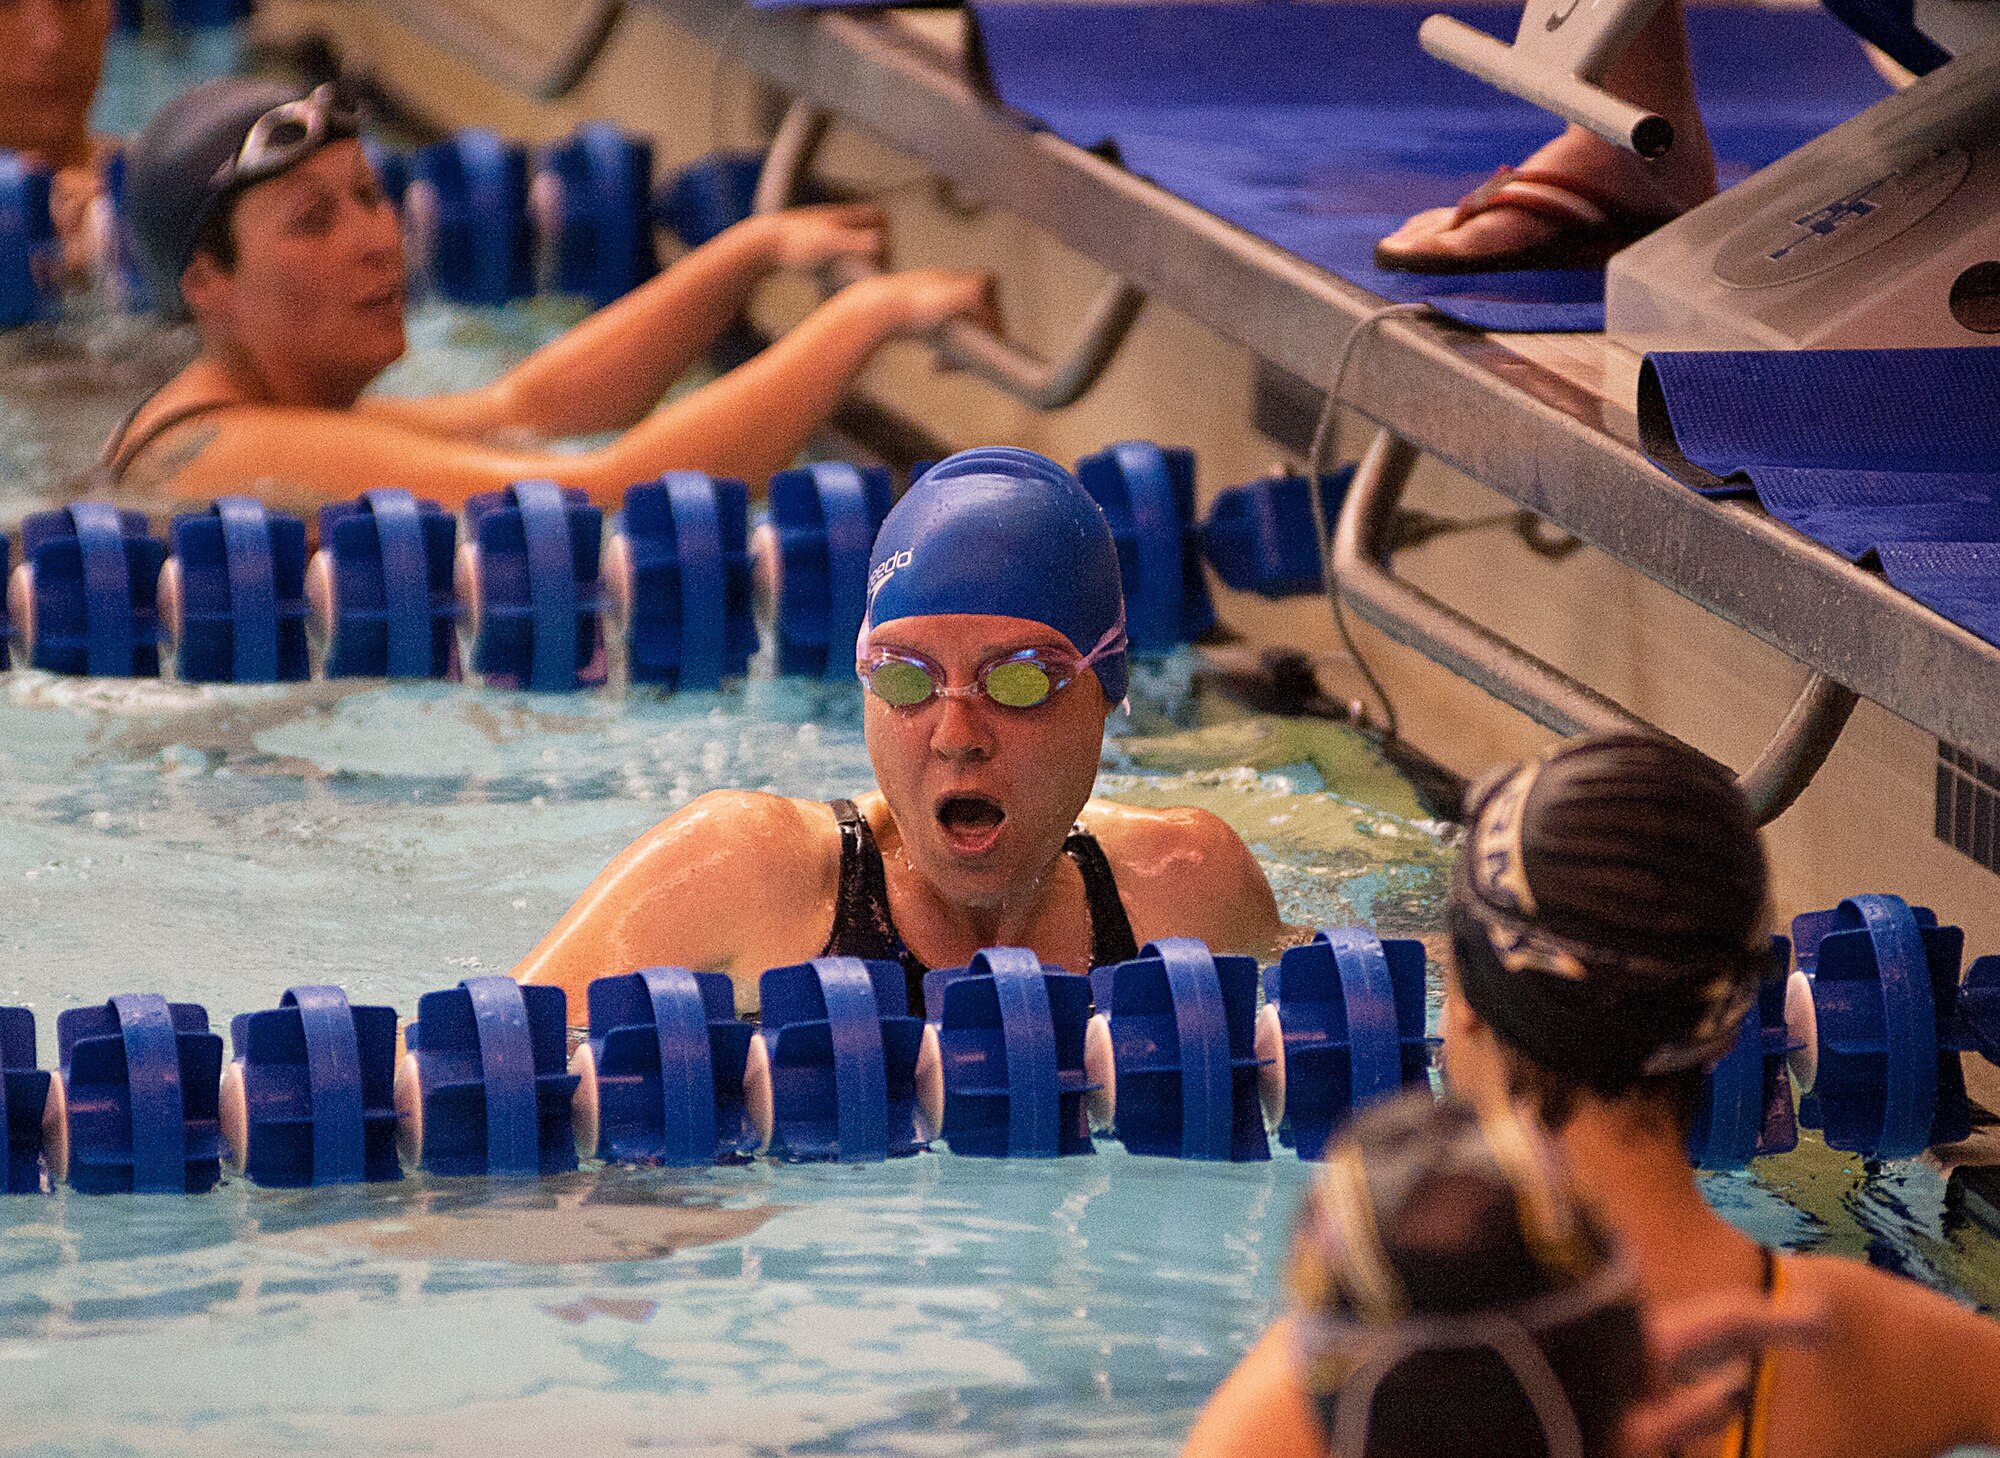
{"x": 287, "y": 134}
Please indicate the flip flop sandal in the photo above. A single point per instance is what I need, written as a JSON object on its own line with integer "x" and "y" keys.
{"x": 1591, "y": 225}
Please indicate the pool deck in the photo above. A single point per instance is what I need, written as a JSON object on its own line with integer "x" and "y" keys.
{"x": 1546, "y": 420}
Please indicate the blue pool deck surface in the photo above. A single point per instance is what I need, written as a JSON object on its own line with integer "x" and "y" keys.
{"x": 220, "y": 845}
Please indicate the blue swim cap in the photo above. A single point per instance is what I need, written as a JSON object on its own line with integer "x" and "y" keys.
{"x": 172, "y": 167}
{"x": 1010, "y": 533}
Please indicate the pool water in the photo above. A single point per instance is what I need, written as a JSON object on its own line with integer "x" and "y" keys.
{"x": 221, "y": 844}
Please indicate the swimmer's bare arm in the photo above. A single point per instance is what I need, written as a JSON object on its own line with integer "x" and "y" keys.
{"x": 749, "y": 423}
{"x": 1261, "y": 1410}
{"x": 735, "y": 882}
{"x": 1912, "y": 1369}
{"x": 613, "y": 368}
{"x": 1185, "y": 873}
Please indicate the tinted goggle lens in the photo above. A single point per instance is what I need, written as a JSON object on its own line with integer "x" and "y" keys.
{"x": 1013, "y": 683}
{"x": 1019, "y": 683}
{"x": 901, "y": 683}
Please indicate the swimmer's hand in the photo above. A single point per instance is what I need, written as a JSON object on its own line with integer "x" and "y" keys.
{"x": 807, "y": 238}
{"x": 1704, "y": 1353}
{"x": 920, "y": 301}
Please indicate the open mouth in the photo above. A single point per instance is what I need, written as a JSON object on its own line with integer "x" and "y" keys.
{"x": 971, "y": 823}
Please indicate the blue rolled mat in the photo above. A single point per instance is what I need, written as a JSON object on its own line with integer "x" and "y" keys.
{"x": 1890, "y": 454}
{"x": 1960, "y": 580}
{"x": 1320, "y": 128}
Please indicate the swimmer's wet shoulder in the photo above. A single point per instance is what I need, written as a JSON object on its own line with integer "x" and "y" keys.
{"x": 736, "y": 882}
{"x": 1182, "y": 872}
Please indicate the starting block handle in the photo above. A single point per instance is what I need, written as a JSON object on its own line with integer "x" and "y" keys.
{"x": 1014, "y": 368}
{"x": 1557, "y": 76}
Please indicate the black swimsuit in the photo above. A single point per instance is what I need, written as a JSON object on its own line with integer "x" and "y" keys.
{"x": 863, "y": 927}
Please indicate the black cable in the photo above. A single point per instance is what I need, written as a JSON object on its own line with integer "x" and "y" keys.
{"x": 1322, "y": 441}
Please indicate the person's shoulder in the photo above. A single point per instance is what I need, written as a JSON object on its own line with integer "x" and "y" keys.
{"x": 757, "y": 870}
{"x": 1913, "y": 1363}
{"x": 1182, "y": 871}
{"x": 774, "y": 834}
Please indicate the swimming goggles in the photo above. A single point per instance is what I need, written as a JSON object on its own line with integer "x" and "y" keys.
{"x": 903, "y": 679}
{"x": 288, "y": 134}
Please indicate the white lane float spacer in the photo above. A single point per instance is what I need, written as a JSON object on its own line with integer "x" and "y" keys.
{"x": 321, "y": 607}
{"x": 170, "y": 599}
{"x": 757, "y": 1095}
{"x": 584, "y": 1110}
{"x": 21, "y": 606}
{"x": 767, "y": 579}
{"x": 409, "y": 1112}
{"x": 465, "y": 582}
{"x": 1802, "y": 1026}
{"x": 1100, "y": 1067}
{"x": 1269, "y": 1044}
{"x": 930, "y": 1085}
{"x": 233, "y": 1109}
{"x": 55, "y": 1131}
{"x": 615, "y": 572}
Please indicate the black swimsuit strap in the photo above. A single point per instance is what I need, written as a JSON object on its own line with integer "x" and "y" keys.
{"x": 863, "y": 926}
{"x": 122, "y": 449}
{"x": 1111, "y": 940}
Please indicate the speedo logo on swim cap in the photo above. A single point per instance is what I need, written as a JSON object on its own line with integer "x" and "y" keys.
{"x": 885, "y": 569}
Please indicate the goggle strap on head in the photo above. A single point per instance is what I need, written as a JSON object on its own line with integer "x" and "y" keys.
{"x": 1507, "y": 1332}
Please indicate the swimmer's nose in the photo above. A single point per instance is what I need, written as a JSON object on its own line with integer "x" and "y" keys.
{"x": 961, "y": 733}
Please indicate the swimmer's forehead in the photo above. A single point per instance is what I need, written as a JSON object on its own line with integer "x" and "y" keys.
{"x": 970, "y": 635}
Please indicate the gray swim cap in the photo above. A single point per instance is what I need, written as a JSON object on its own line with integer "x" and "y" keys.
{"x": 172, "y": 170}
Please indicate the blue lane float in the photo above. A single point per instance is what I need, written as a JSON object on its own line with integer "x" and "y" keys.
{"x": 1979, "y": 1007}
{"x": 381, "y": 588}
{"x": 709, "y": 196}
{"x": 232, "y": 595}
{"x": 812, "y": 562}
{"x": 483, "y": 1089}
{"x": 30, "y": 252}
{"x": 677, "y": 581}
{"x": 1885, "y": 994}
{"x": 119, "y": 265}
{"x": 310, "y": 1098}
{"x": 1147, "y": 494}
{"x": 1263, "y": 537}
{"x": 832, "y": 1075}
{"x": 24, "y": 1098}
{"x": 391, "y": 169}
{"x": 661, "y": 1075}
{"x": 1344, "y": 1026}
{"x": 1180, "y": 1025}
{"x": 529, "y": 581}
{"x": 83, "y": 598}
{"x": 1746, "y": 1105}
{"x": 466, "y": 206}
{"x": 136, "y": 1105}
{"x": 1002, "y": 1072}
{"x": 594, "y": 211}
